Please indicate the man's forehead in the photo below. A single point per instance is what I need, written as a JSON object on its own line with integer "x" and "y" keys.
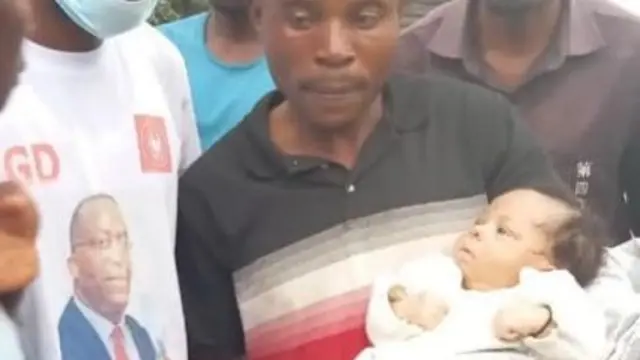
{"x": 99, "y": 211}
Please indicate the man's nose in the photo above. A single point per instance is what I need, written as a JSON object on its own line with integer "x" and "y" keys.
{"x": 337, "y": 49}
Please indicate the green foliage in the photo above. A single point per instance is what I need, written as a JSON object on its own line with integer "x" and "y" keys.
{"x": 170, "y": 10}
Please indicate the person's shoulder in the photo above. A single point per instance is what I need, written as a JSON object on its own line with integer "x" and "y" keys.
{"x": 426, "y": 26}
{"x": 134, "y": 324}
{"x": 447, "y": 98}
{"x": 226, "y": 160}
{"x": 24, "y": 107}
{"x": 612, "y": 10}
{"x": 149, "y": 41}
{"x": 185, "y": 26}
{"x": 618, "y": 26}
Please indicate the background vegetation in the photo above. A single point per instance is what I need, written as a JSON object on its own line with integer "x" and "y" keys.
{"x": 169, "y": 10}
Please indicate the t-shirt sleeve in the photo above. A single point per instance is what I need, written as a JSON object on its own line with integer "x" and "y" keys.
{"x": 510, "y": 156}
{"x": 190, "y": 148}
{"x": 172, "y": 74}
{"x": 189, "y": 141}
{"x": 214, "y": 327}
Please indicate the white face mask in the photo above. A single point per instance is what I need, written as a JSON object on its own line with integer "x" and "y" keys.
{"x": 107, "y": 18}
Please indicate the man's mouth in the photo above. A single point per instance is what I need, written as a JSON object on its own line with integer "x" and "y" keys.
{"x": 334, "y": 86}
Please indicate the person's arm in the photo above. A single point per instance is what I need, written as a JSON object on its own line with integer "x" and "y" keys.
{"x": 172, "y": 74}
{"x": 190, "y": 148}
{"x": 576, "y": 329}
{"x": 214, "y": 327}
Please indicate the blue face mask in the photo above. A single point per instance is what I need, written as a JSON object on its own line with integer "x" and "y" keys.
{"x": 106, "y": 18}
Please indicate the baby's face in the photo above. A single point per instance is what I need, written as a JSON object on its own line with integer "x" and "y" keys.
{"x": 510, "y": 235}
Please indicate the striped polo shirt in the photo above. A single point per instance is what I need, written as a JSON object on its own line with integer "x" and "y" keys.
{"x": 276, "y": 253}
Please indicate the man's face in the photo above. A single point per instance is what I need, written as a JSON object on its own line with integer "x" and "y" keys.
{"x": 513, "y": 8}
{"x": 101, "y": 263}
{"x": 10, "y": 47}
{"x": 512, "y": 234}
{"x": 329, "y": 57}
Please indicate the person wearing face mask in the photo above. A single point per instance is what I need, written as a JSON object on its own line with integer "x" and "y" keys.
{"x": 227, "y": 70}
{"x": 572, "y": 67}
{"x": 103, "y": 106}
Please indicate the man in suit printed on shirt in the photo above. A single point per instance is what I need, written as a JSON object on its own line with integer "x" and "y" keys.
{"x": 94, "y": 324}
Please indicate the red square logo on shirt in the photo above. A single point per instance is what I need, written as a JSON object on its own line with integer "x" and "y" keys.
{"x": 153, "y": 144}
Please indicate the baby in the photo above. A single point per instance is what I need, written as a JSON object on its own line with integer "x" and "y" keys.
{"x": 513, "y": 288}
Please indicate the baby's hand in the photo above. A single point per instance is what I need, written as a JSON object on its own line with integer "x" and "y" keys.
{"x": 425, "y": 310}
{"x": 521, "y": 319}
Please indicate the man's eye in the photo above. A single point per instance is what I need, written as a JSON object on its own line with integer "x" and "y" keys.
{"x": 299, "y": 18}
{"x": 368, "y": 17}
{"x": 102, "y": 243}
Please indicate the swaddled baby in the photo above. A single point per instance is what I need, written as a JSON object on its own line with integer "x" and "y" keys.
{"x": 513, "y": 288}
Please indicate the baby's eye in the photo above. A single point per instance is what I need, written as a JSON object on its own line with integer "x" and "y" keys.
{"x": 502, "y": 231}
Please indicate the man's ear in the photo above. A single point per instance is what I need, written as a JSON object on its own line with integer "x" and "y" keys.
{"x": 256, "y": 15}
{"x": 72, "y": 266}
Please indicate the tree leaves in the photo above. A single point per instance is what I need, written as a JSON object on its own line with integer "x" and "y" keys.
{"x": 170, "y": 10}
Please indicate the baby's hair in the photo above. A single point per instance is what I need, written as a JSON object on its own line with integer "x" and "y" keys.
{"x": 579, "y": 239}
{"x": 579, "y": 245}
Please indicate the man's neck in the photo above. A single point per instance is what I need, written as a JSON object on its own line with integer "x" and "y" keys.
{"x": 232, "y": 40}
{"x": 53, "y": 29}
{"x": 528, "y": 36}
{"x": 115, "y": 318}
{"x": 295, "y": 137}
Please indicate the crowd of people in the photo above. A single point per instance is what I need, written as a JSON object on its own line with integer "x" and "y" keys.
{"x": 305, "y": 179}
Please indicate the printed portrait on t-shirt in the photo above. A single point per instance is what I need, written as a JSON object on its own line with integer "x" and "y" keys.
{"x": 95, "y": 324}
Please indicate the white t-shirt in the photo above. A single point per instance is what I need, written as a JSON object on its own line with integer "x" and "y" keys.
{"x": 103, "y": 136}
{"x": 9, "y": 342}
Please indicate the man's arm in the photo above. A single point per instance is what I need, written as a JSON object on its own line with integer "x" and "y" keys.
{"x": 190, "y": 148}
{"x": 172, "y": 74}
{"x": 214, "y": 327}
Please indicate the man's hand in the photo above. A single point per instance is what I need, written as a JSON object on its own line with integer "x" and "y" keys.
{"x": 425, "y": 310}
{"x": 521, "y": 319}
{"x": 18, "y": 231}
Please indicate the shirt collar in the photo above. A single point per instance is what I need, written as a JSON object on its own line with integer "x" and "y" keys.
{"x": 267, "y": 162}
{"x": 580, "y": 32}
{"x": 102, "y": 326}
